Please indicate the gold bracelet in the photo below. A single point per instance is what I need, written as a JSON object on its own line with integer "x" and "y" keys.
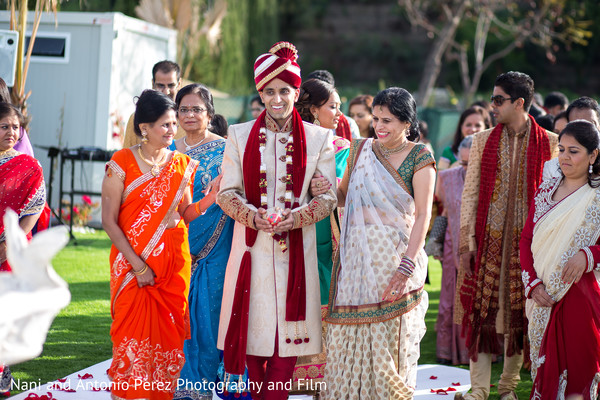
{"x": 199, "y": 210}
{"x": 142, "y": 271}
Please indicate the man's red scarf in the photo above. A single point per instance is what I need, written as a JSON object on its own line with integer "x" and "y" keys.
{"x": 538, "y": 152}
{"x": 234, "y": 353}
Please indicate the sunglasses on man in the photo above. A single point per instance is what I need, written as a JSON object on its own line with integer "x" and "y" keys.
{"x": 498, "y": 100}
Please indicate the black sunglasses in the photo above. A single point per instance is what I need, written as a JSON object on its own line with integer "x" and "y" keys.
{"x": 499, "y": 100}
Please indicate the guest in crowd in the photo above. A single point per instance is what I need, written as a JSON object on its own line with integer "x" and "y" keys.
{"x": 256, "y": 106}
{"x": 560, "y": 256}
{"x": 584, "y": 108}
{"x": 555, "y": 103}
{"x": 23, "y": 144}
{"x": 346, "y": 127}
{"x": 474, "y": 119}
{"x": 166, "y": 78}
{"x": 360, "y": 109}
{"x": 505, "y": 169}
{"x": 146, "y": 204}
{"x": 271, "y": 305}
{"x": 319, "y": 104}
{"x": 377, "y": 305}
{"x": 560, "y": 121}
{"x": 22, "y": 189}
{"x": 209, "y": 237}
{"x": 450, "y": 346}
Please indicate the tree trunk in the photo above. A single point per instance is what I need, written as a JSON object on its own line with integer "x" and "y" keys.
{"x": 433, "y": 64}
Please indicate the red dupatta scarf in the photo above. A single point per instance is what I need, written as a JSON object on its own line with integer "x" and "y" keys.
{"x": 234, "y": 353}
{"x": 21, "y": 188}
{"x": 479, "y": 338}
{"x": 343, "y": 128}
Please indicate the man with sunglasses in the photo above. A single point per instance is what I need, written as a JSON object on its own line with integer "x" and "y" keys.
{"x": 505, "y": 169}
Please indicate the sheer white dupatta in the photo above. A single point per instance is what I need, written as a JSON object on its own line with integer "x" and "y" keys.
{"x": 378, "y": 219}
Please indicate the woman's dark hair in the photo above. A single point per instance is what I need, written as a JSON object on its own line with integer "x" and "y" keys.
{"x": 546, "y": 121}
{"x": 150, "y": 106}
{"x": 4, "y": 92}
{"x": 218, "y": 123}
{"x": 458, "y": 137}
{"x": 402, "y": 105}
{"x": 587, "y": 135}
{"x": 313, "y": 92}
{"x": 7, "y": 109}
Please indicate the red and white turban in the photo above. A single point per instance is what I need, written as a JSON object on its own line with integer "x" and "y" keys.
{"x": 279, "y": 62}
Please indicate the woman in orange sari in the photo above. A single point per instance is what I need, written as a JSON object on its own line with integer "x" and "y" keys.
{"x": 146, "y": 204}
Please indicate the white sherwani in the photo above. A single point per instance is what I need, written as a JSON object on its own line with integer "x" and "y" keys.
{"x": 269, "y": 264}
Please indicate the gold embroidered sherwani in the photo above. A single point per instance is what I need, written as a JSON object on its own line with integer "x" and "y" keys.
{"x": 470, "y": 198}
{"x": 269, "y": 263}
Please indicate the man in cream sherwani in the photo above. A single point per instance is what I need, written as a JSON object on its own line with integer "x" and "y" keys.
{"x": 271, "y": 305}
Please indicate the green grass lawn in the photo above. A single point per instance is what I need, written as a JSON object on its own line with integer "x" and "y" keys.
{"x": 428, "y": 343}
{"x": 79, "y": 336}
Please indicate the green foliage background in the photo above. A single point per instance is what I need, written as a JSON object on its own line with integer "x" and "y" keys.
{"x": 364, "y": 60}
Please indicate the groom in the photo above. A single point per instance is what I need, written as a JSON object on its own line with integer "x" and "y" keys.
{"x": 271, "y": 304}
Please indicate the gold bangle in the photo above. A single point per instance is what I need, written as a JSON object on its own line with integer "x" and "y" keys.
{"x": 199, "y": 210}
{"x": 142, "y": 271}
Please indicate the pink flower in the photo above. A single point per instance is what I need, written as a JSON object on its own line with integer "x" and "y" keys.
{"x": 76, "y": 210}
{"x": 86, "y": 199}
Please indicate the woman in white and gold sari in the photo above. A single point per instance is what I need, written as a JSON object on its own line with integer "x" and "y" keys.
{"x": 560, "y": 258}
{"x": 377, "y": 303}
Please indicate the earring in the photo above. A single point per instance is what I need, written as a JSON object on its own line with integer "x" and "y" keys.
{"x": 591, "y": 170}
{"x": 316, "y": 121}
{"x": 144, "y": 138}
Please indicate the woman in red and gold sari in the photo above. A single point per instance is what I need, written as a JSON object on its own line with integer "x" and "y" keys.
{"x": 560, "y": 258}
{"x": 146, "y": 204}
{"x": 22, "y": 189}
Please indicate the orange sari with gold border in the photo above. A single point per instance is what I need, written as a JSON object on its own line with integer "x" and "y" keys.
{"x": 150, "y": 323}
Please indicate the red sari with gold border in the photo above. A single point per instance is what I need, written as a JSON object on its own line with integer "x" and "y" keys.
{"x": 22, "y": 188}
{"x": 150, "y": 323}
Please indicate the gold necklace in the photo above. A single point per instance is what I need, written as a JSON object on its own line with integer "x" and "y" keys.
{"x": 388, "y": 152}
{"x": 155, "y": 165}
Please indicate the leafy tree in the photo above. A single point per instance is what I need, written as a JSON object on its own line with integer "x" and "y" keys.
{"x": 514, "y": 23}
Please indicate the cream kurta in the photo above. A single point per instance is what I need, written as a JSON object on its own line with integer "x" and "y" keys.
{"x": 269, "y": 264}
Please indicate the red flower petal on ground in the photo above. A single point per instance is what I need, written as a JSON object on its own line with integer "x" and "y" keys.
{"x": 456, "y": 383}
{"x": 433, "y": 377}
{"x": 62, "y": 380}
{"x": 85, "y": 376}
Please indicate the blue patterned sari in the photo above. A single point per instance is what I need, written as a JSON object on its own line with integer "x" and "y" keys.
{"x": 210, "y": 243}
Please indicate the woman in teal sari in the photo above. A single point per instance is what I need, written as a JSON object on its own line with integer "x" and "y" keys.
{"x": 319, "y": 104}
{"x": 210, "y": 240}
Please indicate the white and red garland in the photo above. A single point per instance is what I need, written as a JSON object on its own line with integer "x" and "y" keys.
{"x": 289, "y": 152}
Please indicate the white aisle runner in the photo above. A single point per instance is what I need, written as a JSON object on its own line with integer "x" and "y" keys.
{"x": 433, "y": 381}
